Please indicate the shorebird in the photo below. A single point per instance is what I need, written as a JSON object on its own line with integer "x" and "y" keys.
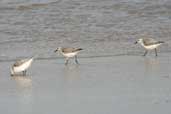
{"x": 21, "y": 66}
{"x": 149, "y": 44}
{"x": 69, "y": 53}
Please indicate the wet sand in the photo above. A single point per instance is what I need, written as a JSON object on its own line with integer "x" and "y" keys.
{"x": 102, "y": 85}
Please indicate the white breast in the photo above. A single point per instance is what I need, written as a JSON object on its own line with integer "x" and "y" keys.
{"x": 151, "y": 47}
{"x": 23, "y": 67}
{"x": 70, "y": 54}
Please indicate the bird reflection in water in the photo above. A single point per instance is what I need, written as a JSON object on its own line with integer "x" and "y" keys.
{"x": 152, "y": 65}
{"x": 24, "y": 88}
{"x": 71, "y": 73}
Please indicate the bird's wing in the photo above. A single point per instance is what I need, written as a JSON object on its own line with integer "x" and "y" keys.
{"x": 149, "y": 41}
{"x": 20, "y": 62}
{"x": 70, "y": 50}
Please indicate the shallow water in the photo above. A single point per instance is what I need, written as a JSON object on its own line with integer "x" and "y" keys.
{"x": 112, "y": 76}
{"x": 100, "y": 27}
{"x": 96, "y": 86}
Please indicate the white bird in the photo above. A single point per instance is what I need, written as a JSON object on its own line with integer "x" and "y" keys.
{"x": 149, "y": 44}
{"x": 21, "y": 66}
{"x": 69, "y": 53}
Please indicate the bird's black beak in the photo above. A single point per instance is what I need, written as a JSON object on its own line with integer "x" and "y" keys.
{"x": 135, "y": 42}
{"x": 56, "y": 50}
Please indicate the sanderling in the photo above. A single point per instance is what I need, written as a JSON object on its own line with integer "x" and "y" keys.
{"x": 69, "y": 53}
{"x": 21, "y": 66}
{"x": 149, "y": 44}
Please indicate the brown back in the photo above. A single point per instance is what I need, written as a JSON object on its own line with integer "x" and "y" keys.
{"x": 19, "y": 62}
{"x": 70, "y": 50}
{"x": 149, "y": 41}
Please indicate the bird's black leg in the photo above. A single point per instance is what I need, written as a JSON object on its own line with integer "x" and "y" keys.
{"x": 66, "y": 61}
{"x": 76, "y": 59}
{"x": 156, "y": 51}
{"x": 24, "y": 73}
{"x": 145, "y": 53}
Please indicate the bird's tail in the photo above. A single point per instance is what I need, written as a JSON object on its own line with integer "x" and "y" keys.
{"x": 161, "y": 42}
{"x": 79, "y": 49}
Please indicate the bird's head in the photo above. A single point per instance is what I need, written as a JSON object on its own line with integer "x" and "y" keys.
{"x": 139, "y": 41}
{"x": 58, "y": 49}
